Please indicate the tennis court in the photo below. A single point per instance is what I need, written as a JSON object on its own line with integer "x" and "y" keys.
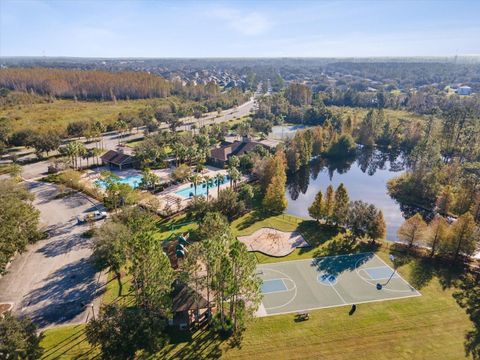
{"x": 300, "y": 285}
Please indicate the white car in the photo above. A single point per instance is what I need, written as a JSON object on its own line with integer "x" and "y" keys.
{"x": 93, "y": 216}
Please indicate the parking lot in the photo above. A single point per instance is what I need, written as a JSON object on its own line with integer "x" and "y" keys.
{"x": 54, "y": 279}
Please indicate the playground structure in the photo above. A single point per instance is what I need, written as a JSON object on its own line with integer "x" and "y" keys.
{"x": 176, "y": 247}
{"x": 274, "y": 242}
{"x": 181, "y": 247}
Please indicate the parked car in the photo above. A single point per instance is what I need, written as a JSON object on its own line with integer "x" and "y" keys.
{"x": 92, "y": 216}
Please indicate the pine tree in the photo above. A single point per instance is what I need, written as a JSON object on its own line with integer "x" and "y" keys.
{"x": 463, "y": 235}
{"x": 329, "y": 204}
{"x": 445, "y": 200}
{"x": 340, "y": 208}
{"x": 275, "y": 200}
{"x": 316, "y": 209}
{"x": 378, "y": 228}
{"x": 245, "y": 286}
{"x": 438, "y": 231}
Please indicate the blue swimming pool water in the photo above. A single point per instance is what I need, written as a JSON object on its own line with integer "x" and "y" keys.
{"x": 275, "y": 285}
{"x": 201, "y": 188}
{"x": 134, "y": 181}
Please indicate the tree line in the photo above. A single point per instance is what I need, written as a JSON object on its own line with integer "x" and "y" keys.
{"x": 334, "y": 208}
{"x": 85, "y": 85}
{"x": 19, "y": 220}
{"x": 457, "y": 238}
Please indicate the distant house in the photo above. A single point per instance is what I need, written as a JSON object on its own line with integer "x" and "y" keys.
{"x": 118, "y": 160}
{"x": 464, "y": 90}
{"x": 220, "y": 155}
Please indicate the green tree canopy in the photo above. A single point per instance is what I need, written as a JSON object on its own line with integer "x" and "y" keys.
{"x": 19, "y": 338}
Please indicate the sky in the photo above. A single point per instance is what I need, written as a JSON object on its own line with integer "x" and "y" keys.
{"x": 121, "y": 28}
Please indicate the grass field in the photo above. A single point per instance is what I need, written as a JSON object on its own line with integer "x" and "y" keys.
{"x": 431, "y": 326}
{"x": 359, "y": 113}
{"x": 59, "y": 113}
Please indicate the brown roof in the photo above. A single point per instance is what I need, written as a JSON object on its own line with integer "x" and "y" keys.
{"x": 237, "y": 148}
{"x": 117, "y": 158}
{"x": 185, "y": 298}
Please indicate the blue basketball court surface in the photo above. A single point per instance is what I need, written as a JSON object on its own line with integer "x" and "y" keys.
{"x": 323, "y": 282}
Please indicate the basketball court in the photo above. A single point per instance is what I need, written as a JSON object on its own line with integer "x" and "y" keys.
{"x": 301, "y": 285}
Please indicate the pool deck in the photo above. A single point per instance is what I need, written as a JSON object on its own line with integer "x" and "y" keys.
{"x": 170, "y": 201}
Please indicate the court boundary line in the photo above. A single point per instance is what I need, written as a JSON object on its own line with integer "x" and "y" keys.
{"x": 339, "y": 305}
{"x": 310, "y": 259}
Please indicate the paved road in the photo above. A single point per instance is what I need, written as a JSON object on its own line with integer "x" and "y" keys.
{"x": 111, "y": 141}
{"x": 54, "y": 277}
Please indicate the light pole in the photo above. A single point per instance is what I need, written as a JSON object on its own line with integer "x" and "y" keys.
{"x": 93, "y": 310}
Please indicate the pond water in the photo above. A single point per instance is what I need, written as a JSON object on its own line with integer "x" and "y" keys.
{"x": 365, "y": 178}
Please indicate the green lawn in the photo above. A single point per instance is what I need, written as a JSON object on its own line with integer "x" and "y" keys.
{"x": 67, "y": 342}
{"x": 360, "y": 113}
{"x": 431, "y": 326}
{"x": 175, "y": 225}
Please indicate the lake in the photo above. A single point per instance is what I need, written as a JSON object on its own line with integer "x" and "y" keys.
{"x": 365, "y": 178}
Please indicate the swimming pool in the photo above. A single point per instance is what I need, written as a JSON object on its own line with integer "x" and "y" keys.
{"x": 133, "y": 180}
{"x": 201, "y": 188}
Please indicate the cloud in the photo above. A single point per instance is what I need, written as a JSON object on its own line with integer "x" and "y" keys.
{"x": 252, "y": 23}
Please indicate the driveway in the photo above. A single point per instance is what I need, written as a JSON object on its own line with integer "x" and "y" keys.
{"x": 54, "y": 279}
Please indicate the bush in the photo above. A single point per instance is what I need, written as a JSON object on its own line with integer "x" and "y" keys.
{"x": 228, "y": 204}
{"x": 345, "y": 147}
{"x": 225, "y": 328}
{"x": 181, "y": 173}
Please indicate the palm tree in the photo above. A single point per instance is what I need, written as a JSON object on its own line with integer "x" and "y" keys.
{"x": 234, "y": 176}
{"x": 71, "y": 152}
{"x": 95, "y": 153}
{"x": 219, "y": 178}
{"x": 98, "y": 128}
{"x": 87, "y": 155}
{"x": 81, "y": 150}
{"x": 195, "y": 179}
{"x": 207, "y": 182}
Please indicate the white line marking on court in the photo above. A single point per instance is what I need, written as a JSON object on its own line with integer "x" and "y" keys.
{"x": 340, "y": 296}
{"x": 294, "y": 288}
{"x": 400, "y": 276}
{"x": 285, "y": 285}
{"x": 416, "y": 294}
{"x": 310, "y": 259}
{"x": 346, "y": 304}
{"x": 379, "y": 278}
{"x": 378, "y": 267}
{"x": 357, "y": 271}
